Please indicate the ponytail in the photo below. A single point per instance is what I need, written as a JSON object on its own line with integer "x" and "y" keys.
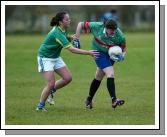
{"x": 54, "y": 22}
{"x": 59, "y": 17}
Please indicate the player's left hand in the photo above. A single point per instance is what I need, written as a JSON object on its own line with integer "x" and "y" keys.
{"x": 120, "y": 57}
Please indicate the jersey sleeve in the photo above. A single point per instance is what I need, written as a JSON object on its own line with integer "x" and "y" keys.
{"x": 63, "y": 41}
{"x": 123, "y": 44}
{"x": 122, "y": 41}
{"x": 88, "y": 26}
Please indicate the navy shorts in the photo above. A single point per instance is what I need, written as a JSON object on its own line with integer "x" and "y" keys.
{"x": 104, "y": 61}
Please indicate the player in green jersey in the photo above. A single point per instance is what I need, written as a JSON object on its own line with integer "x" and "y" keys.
{"x": 49, "y": 60}
{"x": 106, "y": 34}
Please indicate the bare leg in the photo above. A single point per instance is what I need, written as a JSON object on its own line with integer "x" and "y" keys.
{"x": 65, "y": 75}
{"x": 99, "y": 74}
{"x": 109, "y": 71}
{"x": 49, "y": 76}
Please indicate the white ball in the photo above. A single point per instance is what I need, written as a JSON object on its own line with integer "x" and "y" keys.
{"x": 113, "y": 51}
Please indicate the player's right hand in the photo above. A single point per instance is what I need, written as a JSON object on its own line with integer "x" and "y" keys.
{"x": 94, "y": 53}
{"x": 74, "y": 37}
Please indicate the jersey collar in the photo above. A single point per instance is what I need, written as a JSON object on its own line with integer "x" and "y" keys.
{"x": 106, "y": 35}
{"x": 62, "y": 30}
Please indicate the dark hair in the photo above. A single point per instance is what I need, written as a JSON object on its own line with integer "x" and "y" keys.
{"x": 111, "y": 24}
{"x": 59, "y": 17}
{"x": 113, "y": 11}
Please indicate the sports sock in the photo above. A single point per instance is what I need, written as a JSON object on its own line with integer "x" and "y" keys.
{"x": 111, "y": 88}
{"x": 93, "y": 88}
{"x": 53, "y": 90}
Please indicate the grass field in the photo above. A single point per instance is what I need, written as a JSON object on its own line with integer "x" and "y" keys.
{"x": 134, "y": 83}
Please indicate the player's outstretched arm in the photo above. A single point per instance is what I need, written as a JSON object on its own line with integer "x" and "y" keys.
{"x": 78, "y": 30}
{"x": 92, "y": 53}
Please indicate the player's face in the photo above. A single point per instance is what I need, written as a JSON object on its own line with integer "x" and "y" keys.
{"x": 66, "y": 21}
{"x": 110, "y": 31}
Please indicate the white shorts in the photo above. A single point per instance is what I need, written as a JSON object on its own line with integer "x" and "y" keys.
{"x": 50, "y": 64}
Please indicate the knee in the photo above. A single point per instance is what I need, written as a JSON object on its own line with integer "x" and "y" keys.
{"x": 99, "y": 76}
{"x": 51, "y": 84}
{"x": 110, "y": 76}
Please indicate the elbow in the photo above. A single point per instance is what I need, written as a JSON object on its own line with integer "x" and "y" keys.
{"x": 79, "y": 24}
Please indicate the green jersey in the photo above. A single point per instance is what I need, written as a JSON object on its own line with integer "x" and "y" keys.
{"x": 102, "y": 41}
{"x": 53, "y": 43}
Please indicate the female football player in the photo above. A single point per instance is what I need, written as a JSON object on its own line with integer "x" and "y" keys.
{"x": 106, "y": 34}
{"x": 49, "y": 60}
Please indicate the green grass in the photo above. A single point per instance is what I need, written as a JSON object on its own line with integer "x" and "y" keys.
{"x": 134, "y": 83}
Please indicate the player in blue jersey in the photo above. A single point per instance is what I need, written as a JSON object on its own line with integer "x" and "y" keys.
{"x": 112, "y": 14}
